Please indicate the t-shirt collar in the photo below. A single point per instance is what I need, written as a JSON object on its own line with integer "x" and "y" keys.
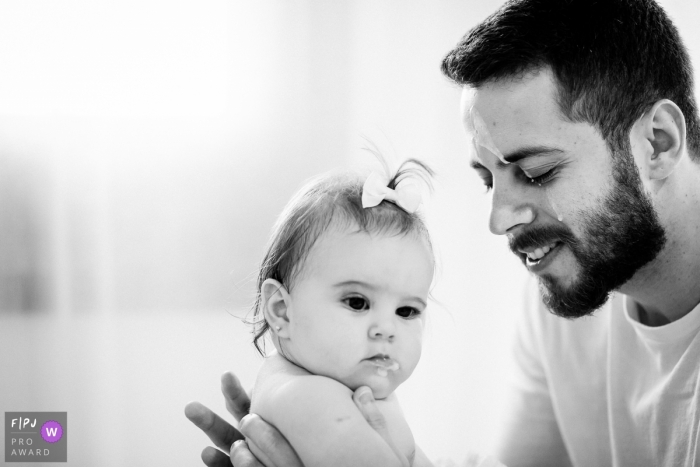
{"x": 672, "y": 332}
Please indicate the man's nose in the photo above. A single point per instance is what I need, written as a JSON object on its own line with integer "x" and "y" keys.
{"x": 510, "y": 207}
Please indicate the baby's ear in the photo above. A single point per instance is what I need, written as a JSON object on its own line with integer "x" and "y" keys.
{"x": 276, "y": 306}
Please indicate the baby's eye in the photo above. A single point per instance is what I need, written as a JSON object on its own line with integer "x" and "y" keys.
{"x": 357, "y": 303}
{"x": 408, "y": 312}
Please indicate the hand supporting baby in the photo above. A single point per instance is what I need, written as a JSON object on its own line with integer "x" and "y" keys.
{"x": 265, "y": 440}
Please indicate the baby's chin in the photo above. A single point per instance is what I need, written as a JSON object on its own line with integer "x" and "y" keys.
{"x": 382, "y": 391}
{"x": 381, "y": 386}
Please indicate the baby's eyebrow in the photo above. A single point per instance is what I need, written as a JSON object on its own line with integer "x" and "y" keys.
{"x": 354, "y": 282}
{"x": 419, "y": 300}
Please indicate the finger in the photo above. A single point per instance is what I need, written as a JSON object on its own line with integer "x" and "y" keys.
{"x": 215, "y": 458}
{"x": 219, "y": 431}
{"x": 237, "y": 401}
{"x": 270, "y": 441}
{"x": 259, "y": 454}
{"x": 364, "y": 400}
{"x": 242, "y": 457}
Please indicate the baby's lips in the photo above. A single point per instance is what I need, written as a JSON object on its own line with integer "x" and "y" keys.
{"x": 387, "y": 363}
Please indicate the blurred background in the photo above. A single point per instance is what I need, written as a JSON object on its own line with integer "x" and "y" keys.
{"x": 146, "y": 148}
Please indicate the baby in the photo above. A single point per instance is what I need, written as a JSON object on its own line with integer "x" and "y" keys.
{"x": 342, "y": 292}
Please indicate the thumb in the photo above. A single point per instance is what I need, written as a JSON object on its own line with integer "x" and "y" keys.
{"x": 364, "y": 400}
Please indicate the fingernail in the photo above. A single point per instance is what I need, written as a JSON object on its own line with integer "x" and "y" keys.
{"x": 237, "y": 444}
{"x": 246, "y": 420}
{"x": 365, "y": 395}
{"x": 243, "y": 421}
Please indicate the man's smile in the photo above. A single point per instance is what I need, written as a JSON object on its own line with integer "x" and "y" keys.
{"x": 537, "y": 253}
{"x": 541, "y": 257}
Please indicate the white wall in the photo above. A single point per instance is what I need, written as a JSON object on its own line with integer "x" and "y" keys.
{"x": 145, "y": 149}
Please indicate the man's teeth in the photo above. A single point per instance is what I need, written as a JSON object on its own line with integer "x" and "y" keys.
{"x": 540, "y": 252}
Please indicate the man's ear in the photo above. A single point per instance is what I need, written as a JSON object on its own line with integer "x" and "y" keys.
{"x": 661, "y": 132}
{"x": 276, "y": 306}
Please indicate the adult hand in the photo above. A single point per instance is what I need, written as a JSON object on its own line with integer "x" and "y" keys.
{"x": 364, "y": 400}
{"x": 265, "y": 441}
{"x": 221, "y": 433}
{"x": 270, "y": 447}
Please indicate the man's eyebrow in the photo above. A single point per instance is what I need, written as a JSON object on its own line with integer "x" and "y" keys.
{"x": 519, "y": 155}
{"x": 522, "y": 153}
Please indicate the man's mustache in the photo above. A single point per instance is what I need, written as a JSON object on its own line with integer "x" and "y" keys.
{"x": 535, "y": 237}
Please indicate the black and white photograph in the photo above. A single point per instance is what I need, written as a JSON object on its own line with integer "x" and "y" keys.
{"x": 462, "y": 233}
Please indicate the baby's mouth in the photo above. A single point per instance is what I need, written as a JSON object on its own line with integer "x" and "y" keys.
{"x": 383, "y": 364}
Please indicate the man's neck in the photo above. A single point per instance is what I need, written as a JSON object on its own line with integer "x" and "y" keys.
{"x": 668, "y": 288}
{"x": 666, "y": 294}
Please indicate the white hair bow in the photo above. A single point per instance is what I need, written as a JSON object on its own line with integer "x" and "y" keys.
{"x": 375, "y": 190}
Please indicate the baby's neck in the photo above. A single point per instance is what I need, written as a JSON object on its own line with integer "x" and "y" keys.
{"x": 278, "y": 363}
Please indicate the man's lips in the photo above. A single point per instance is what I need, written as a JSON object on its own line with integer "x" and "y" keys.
{"x": 540, "y": 264}
{"x": 533, "y": 244}
{"x": 536, "y": 253}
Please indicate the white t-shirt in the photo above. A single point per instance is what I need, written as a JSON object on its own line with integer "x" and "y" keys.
{"x": 603, "y": 390}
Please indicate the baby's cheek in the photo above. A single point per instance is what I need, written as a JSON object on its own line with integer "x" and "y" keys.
{"x": 416, "y": 331}
{"x": 412, "y": 349}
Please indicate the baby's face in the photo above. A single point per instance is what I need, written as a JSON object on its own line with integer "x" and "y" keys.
{"x": 357, "y": 307}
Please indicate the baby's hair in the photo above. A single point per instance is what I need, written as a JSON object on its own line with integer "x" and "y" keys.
{"x": 333, "y": 198}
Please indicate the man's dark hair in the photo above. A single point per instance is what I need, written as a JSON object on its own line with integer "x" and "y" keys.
{"x": 612, "y": 59}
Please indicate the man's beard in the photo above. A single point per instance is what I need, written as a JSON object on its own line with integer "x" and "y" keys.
{"x": 619, "y": 237}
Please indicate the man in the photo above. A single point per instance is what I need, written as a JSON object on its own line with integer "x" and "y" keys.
{"x": 585, "y": 129}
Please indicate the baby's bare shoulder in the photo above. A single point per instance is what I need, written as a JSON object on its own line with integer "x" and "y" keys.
{"x": 281, "y": 383}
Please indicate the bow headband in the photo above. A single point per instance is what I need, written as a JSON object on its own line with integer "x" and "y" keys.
{"x": 375, "y": 190}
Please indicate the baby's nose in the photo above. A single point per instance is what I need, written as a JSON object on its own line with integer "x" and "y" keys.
{"x": 382, "y": 330}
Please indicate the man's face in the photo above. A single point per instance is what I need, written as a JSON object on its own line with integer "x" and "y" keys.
{"x": 576, "y": 216}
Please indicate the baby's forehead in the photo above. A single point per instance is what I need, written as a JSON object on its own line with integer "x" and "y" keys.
{"x": 349, "y": 247}
{"x": 340, "y": 235}
{"x": 336, "y": 238}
